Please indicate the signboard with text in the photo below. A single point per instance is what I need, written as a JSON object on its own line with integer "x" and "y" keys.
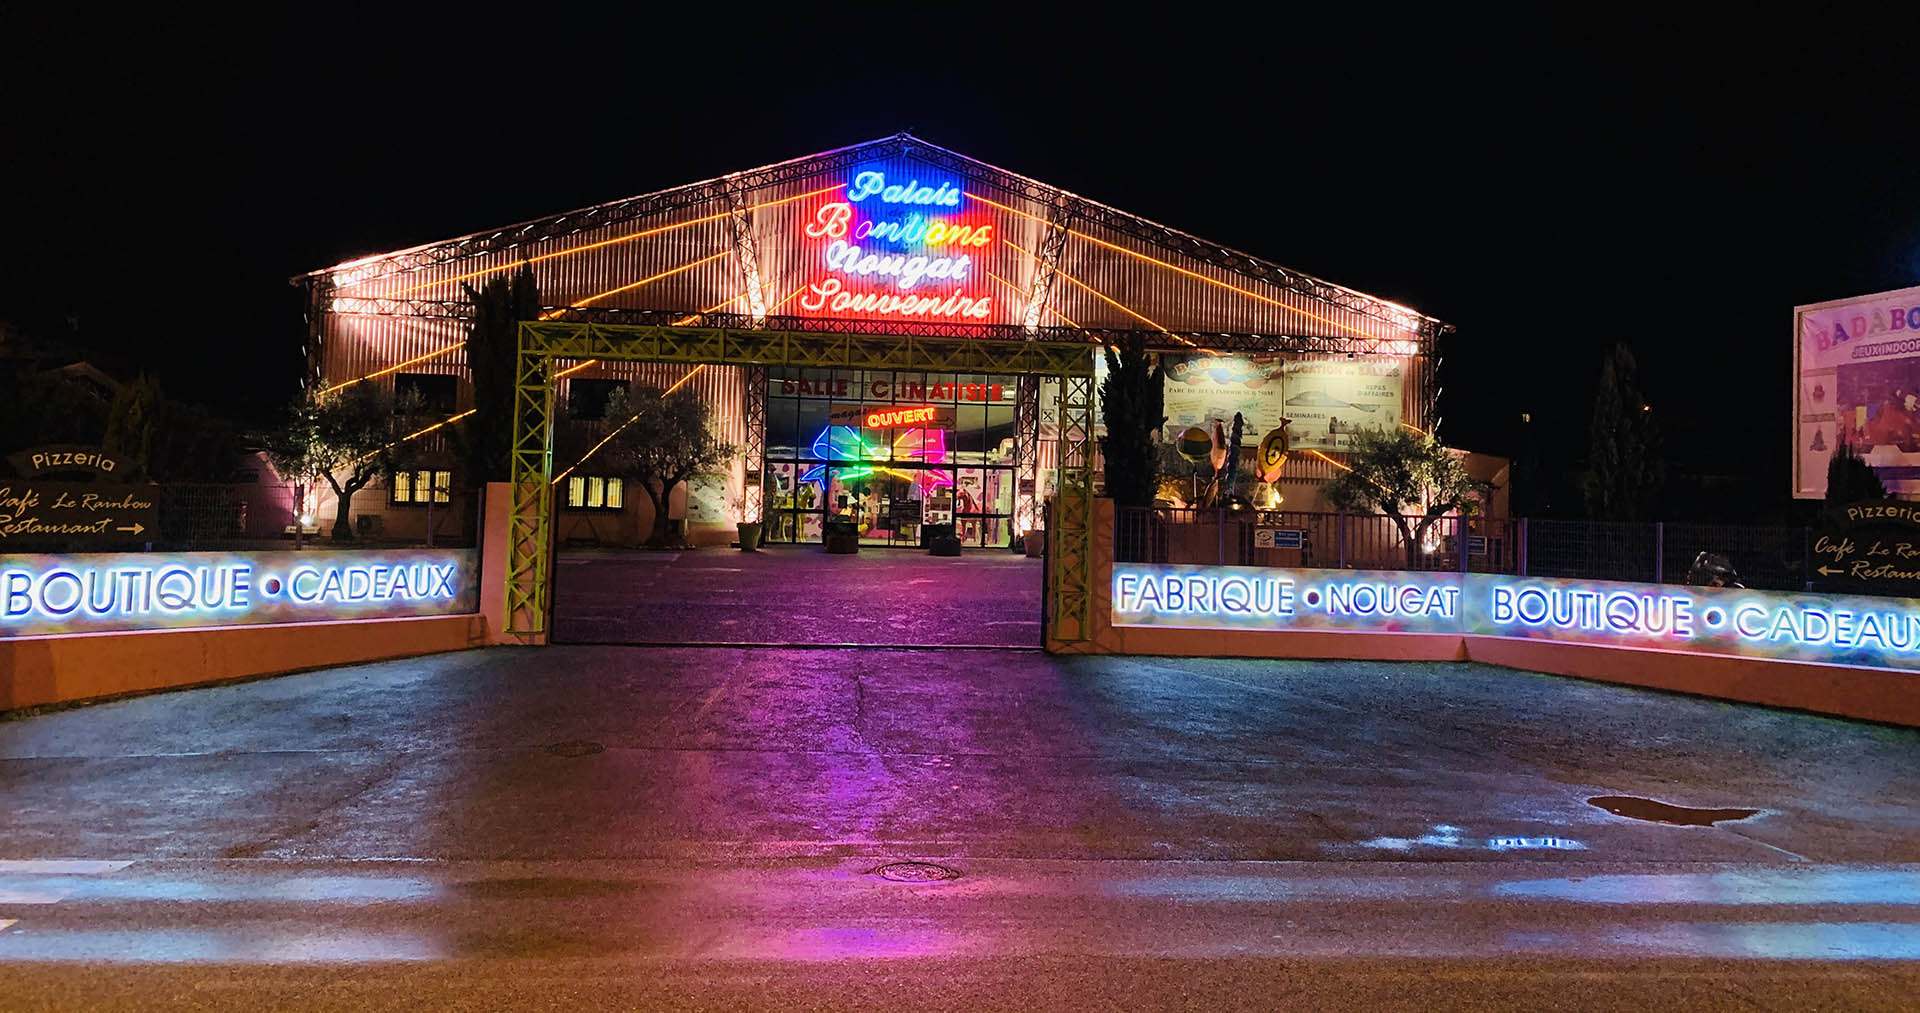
{"x": 1868, "y": 548}
{"x": 37, "y": 514}
{"x": 1857, "y": 382}
{"x": 44, "y": 595}
{"x": 1730, "y": 622}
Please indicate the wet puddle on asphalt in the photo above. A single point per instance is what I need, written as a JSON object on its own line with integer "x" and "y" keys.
{"x": 1636, "y": 808}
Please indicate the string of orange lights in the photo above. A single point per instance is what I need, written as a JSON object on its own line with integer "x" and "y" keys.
{"x": 1102, "y": 296}
{"x": 600, "y": 244}
{"x": 1249, "y": 293}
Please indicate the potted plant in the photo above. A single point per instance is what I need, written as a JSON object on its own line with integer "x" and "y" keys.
{"x": 841, "y": 535}
{"x": 749, "y": 530}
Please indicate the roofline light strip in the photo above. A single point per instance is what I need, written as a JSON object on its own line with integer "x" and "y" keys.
{"x": 1048, "y": 306}
{"x": 606, "y": 242}
{"x": 1249, "y": 293}
{"x": 623, "y": 426}
{"x": 1109, "y": 300}
{"x": 416, "y": 360}
{"x": 409, "y": 436}
{"x": 582, "y": 304}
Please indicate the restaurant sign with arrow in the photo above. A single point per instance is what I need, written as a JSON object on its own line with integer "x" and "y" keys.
{"x": 79, "y": 515}
{"x": 1871, "y": 547}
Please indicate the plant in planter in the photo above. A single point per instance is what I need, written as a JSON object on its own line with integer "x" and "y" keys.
{"x": 749, "y": 530}
{"x": 841, "y": 535}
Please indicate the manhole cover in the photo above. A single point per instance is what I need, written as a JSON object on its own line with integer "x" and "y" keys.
{"x": 1635, "y": 808}
{"x": 575, "y": 747}
{"x": 916, "y": 872}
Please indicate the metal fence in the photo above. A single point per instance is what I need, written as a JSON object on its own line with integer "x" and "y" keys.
{"x": 1773, "y": 558}
{"x": 1314, "y": 540}
{"x": 198, "y": 517}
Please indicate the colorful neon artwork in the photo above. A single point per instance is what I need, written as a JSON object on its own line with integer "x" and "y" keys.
{"x": 844, "y": 443}
{"x": 900, "y": 252}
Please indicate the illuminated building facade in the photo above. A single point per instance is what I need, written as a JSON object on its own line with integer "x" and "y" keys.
{"x": 892, "y": 237}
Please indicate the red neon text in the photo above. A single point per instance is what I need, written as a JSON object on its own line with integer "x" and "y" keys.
{"x": 892, "y": 417}
{"x": 831, "y": 294}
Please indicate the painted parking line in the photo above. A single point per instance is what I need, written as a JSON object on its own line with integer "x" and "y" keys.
{"x": 24, "y": 891}
{"x": 57, "y": 867}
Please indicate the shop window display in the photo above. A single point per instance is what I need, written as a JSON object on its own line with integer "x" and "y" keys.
{"x": 827, "y": 454}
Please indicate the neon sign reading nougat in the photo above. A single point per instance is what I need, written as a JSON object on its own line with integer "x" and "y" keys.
{"x": 920, "y": 261}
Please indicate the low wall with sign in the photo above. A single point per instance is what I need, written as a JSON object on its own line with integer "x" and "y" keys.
{"x": 1850, "y": 655}
{"x": 75, "y": 627}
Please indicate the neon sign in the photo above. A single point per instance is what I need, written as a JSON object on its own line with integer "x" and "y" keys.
{"x": 920, "y": 261}
{"x": 1826, "y": 629}
{"x": 890, "y": 418}
{"x": 102, "y": 592}
{"x": 844, "y": 443}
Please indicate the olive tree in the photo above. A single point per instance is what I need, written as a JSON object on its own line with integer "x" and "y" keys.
{"x": 346, "y": 440}
{"x": 658, "y": 441}
{"x": 1409, "y": 477}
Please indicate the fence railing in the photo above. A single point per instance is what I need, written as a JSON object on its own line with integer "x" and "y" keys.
{"x": 201, "y": 517}
{"x": 1773, "y": 558}
{"x": 204, "y": 517}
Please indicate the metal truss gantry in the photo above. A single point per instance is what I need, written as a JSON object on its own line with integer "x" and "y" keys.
{"x": 529, "y": 567}
{"x": 753, "y": 492}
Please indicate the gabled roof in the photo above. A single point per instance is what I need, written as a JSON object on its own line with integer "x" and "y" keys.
{"x": 1171, "y": 279}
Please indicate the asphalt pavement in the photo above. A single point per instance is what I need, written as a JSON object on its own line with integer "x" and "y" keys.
{"x": 797, "y": 594}
{"x": 720, "y": 828}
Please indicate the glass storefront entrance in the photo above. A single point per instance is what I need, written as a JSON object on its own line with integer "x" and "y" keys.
{"x": 890, "y": 450}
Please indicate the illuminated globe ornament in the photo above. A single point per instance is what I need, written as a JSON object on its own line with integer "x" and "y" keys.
{"x": 1195, "y": 444}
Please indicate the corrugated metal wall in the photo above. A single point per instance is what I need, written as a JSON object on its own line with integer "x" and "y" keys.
{"x": 683, "y": 261}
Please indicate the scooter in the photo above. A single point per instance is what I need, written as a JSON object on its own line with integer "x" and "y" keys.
{"x": 1711, "y": 569}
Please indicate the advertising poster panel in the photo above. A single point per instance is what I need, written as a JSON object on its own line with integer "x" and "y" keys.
{"x": 1857, "y": 382}
{"x": 1330, "y": 400}
{"x": 1200, "y": 388}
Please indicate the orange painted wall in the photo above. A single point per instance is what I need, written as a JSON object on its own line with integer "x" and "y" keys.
{"x": 1868, "y": 693}
{"x": 44, "y": 670}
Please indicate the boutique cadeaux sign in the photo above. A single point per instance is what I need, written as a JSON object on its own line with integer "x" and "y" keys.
{"x": 1827, "y": 629}
{"x": 898, "y": 247}
{"x": 103, "y": 592}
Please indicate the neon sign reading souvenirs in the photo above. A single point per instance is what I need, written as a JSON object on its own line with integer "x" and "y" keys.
{"x": 886, "y": 253}
{"x": 1829, "y": 629}
{"x": 103, "y": 592}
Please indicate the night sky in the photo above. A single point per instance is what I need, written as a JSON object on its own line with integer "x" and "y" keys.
{"x": 1547, "y": 189}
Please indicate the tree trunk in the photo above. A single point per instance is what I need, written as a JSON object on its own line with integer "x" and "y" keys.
{"x": 662, "y": 526}
{"x": 342, "y": 526}
{"x": 1411, "y": 541}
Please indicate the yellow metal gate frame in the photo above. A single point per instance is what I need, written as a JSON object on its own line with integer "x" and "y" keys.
{"x": 1069, "y": 591}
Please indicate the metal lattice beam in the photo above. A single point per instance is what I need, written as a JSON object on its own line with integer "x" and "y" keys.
{"x": 1026, "y": 455}
{"x": 436, "y": 309}
{"x": 1053, "y": 240}
{"x": 753, "y": 494}
{"x": 1070, "y": 594}
{"x": 529, "y": 541}
{"x": 746, "y": 253}
{"x": 530, "y": 544}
